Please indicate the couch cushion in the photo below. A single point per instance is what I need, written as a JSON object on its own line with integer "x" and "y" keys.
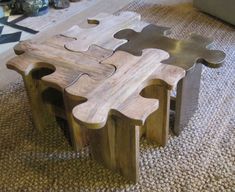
{"x": 223, "y": 9}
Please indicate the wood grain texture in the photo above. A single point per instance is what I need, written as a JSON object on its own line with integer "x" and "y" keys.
{"x": 119, "y": 94}
{"x": 102, "y": 89}
{"x": 67, "y": 66}
{"x": 102, "y": 34}
{"x": 78, "y": 133}
{"x": 156, "y": 126}
{"x": 74, "y": 17}
{"x": 42, "y": 113}
{"x": 67, "y": 69}
{"x": 116, "y": 147}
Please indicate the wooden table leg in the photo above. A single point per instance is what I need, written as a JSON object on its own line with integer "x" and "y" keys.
{"x": 78, "y": 133}
{"x": 116, "y": 146}
{"x": 42, "y": 112}
{"x": 187, "y": 98}
{"x": 157, "y": 124}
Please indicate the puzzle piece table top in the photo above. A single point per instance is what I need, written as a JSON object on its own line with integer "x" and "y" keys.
{"x": 183, "y": 53}
{"x": 111, "y": 85}
{"x": 72, "y": 54}
{"x": 67, "y": 66}
{"x": 107, "y": 24}
{"x": 102, "y": 34}
{"x": 119, "y": 94}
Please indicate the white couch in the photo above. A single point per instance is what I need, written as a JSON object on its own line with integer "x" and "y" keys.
{"x": 223, "y": 9}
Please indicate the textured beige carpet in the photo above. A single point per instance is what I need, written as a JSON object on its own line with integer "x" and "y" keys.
{"x": 202, "y": 158}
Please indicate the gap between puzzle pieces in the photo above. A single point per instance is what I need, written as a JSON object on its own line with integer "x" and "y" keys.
{"x": 116, "y": 81}
{"x": 66, "y": 67}
{"x": 135, "y": 35}
{"x": 120, "y": 93}
{"x": 102, "y": 34}
{"x": 183, "y": 53}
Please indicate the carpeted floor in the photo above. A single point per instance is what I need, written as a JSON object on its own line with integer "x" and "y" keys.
{"x": 202, "y": 158}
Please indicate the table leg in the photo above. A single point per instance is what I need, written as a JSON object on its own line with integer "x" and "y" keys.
{"x": 78, "y": 134}
{"x": 157, "y": 124}
{"x": 116, "y": 146}
{"x": 42, "y": 112}
{"x": 187, "y": 98}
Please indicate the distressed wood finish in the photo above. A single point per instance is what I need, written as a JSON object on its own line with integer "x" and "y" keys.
{"x": 102, "y": 34}
{"x": 64, "y": 75}
{"x": 156, "y": 127}
{"x": 78, "y": 133}
{"x": 52, "y": 55}
{"x": 67, "y": 66}
{"x": 41, "y": 111}
{"x": 104, "y": 22}
{"x": 95, "y": 93}
{"x": 113, "y": 109}
{"x": 119, "y": 94}
{"x": 64, "y": 68}
{"x": 187, "y": 54}
{"x": 107, "y": 97}
{"x": 116, "y": 146}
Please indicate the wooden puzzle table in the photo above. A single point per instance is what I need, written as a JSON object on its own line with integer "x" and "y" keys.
{"x": 188, "y": 54}
{"x": 104, "y": 97}
{"x": 106, "y": 92}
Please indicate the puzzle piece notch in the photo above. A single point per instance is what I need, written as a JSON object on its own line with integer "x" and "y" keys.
{"x": 119, "y": 94}
{"x": 183, "y": 53}
{"x": 67, "y": 66}
{"x": 102, "y": 33}
{"x": 101, "y": 19}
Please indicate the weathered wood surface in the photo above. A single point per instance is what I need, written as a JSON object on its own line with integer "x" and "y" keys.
{"x": 102, "y": 34}
{"x": 53, "y": 55}
{"x": 116, "y": 147}
{"x": 67, "y": 66}
{"x": 141, "y": 35}
{"x": 119, "y": 94}
{"x": 44, "y": 22}
{"x": 156, "y": 127}
{"x": 62, "y": 23}
{"x": 111, "y": 108}
{"x": 64, "y": 67}
{"x": 100, "y": 87}
{"x": 98, "y": 90}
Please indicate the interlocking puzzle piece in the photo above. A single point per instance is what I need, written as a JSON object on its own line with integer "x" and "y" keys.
{"x": 102, "y": 33}
{"x": 67, "y": 66}
{"x": 120, "y": 91}
{"x": 115, "y": 105}
{"x": 183, "y": 53}
{"x": 56, "y": 67}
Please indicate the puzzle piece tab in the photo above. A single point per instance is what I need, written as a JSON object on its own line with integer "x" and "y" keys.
{"x": 102, "y": 33}
{"x": 67, "y": 66}
{"x": 119, "y": 94}
{"x": 183, "y": 53}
